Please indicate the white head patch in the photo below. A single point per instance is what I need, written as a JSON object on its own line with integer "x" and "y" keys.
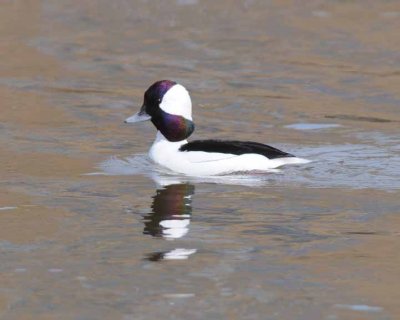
{"x": 177, "y": 101}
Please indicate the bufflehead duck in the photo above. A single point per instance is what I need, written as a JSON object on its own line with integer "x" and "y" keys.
{"x": 168, "y": 105}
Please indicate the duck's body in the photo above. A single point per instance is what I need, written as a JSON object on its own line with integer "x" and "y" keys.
{"x": 168, "y": 105}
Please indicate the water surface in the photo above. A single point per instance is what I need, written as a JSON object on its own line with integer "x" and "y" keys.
{"x": 91, "y": 229}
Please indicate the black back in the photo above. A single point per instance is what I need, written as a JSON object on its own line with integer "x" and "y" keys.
{"x": 235, "y": 147}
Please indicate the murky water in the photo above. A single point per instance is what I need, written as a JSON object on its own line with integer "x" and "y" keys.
{"x": 91, "y": 229}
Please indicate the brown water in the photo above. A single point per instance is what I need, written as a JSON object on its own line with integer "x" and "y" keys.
{"x": 91, "y": 229}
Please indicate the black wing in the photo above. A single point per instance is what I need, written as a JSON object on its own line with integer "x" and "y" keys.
{"x": 234, "y": 147}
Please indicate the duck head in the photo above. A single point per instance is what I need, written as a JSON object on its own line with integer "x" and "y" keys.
{"x": 169, "y": 107}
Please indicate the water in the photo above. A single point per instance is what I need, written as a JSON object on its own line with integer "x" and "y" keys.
{"x": 91, "y": 229}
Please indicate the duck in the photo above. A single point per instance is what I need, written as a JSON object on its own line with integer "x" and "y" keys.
{"x": 167, "y": 104}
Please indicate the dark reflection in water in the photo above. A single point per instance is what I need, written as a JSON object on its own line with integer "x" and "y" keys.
{"x": 170, "y": 219}
{"x": 171, "y": 211}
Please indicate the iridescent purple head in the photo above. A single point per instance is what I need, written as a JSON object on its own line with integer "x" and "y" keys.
{"x": 168, "y": 105}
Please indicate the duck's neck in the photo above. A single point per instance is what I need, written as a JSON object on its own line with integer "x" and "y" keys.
{"x": 173, "y": 127}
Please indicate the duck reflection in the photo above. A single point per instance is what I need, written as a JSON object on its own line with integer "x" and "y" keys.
{"x": 176, "y": 254}
{"x": 170, "y": 219}
{"x": 171, "y": 212}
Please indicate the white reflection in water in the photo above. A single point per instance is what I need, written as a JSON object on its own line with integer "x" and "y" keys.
{"x": 174, "y": 229}
{"x": 359, "y": 307}
{"x": 7, "y": 208}
{"x": 179, "y": 295}
{"x": 179, "y": 254}
{"x": 312, "y": 126}
{"x": 175, "y": 254}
